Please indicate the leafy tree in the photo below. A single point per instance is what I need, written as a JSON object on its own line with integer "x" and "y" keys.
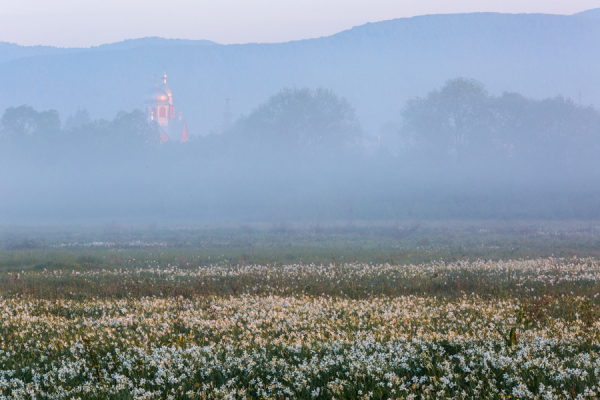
{"x": 449, "y": 121}
{"x": 131, "y": 128}
{"x": 564, "y": 130}
{"x": 549, "y": 130}
{"x": 462, "y": 120}
{"x": 513, "y": 123}
{"x": 20, "y": 123}
{"x": 81, "y": 118}
{"x": 310, "y": 121}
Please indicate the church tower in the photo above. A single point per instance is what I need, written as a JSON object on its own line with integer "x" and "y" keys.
{"x": 159, "y": 108}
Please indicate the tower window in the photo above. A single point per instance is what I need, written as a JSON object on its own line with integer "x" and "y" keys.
{"x": 163, "y": 112}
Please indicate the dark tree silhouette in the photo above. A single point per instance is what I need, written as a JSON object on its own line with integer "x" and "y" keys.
{"x": 81, "y": 118}
{"x": 20, "y": 123}
{"x": 303, "y": 120}
{"x": 450, "y": 120}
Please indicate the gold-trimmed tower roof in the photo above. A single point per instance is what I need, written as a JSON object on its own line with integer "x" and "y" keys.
{"x": 166, "y": 88}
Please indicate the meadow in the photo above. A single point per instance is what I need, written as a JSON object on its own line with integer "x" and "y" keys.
{"x": 419, "y": 311}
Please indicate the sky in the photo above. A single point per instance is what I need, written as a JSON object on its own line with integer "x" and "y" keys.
{"x": 84, "y": 23}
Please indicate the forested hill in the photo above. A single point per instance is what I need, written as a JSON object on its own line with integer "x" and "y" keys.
{"x": 594, "y": 13}
{"x": 376, "y": 66}
{"x": 12, "y": 51}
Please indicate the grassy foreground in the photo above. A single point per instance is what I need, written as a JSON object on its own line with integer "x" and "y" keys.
{"x": 462, "y": 329}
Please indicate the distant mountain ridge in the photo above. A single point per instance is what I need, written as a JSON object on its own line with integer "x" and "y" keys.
{"x": 12, "y": 51}
{"x": 376, "y": 66}
{"x": 593, "y": 13}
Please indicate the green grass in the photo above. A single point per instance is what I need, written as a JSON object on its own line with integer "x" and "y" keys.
{"x": 401, "y": 243}
{"x": 40, "y": 252}
{"x": 305, "y": 306}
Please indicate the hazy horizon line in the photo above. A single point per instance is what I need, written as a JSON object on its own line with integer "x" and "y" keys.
{"x": 281, "y": 42}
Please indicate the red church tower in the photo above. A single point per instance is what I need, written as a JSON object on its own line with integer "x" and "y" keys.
{"x": 159, "y": 108}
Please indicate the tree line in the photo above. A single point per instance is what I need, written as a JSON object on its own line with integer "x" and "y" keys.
{"x": 460, "y": 152}
{"x": 26, "y": 126}
{"x": 460, "y": 122}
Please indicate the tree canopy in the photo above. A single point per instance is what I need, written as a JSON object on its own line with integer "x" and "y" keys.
{"x": 450, "y": 119}
{"x": 20, "y": 123}
{"x": 467, "y": 153}
{"x": 306, "y": 120}
{"x": 463, "y": 121}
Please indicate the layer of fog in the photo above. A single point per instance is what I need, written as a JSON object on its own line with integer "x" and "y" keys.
{"x": 303, "y": 155}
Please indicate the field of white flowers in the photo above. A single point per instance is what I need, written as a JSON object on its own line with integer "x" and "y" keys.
{"x": 503, "y": 329}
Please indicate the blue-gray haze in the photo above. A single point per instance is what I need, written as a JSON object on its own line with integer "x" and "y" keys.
{"x": 380, "y": 167}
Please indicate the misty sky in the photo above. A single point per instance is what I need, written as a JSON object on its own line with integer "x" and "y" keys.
{"x": 77, "y": 23}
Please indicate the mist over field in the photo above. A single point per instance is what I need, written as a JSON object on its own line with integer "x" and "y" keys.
{"x": 465, "y": 116}
{"x": 406, "y": 209}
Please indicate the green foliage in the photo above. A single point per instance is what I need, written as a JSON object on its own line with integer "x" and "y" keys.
{"x": 304, "y": 120}
{"x": 451, "y": 119}
{"x": 462, "y": 121}
{"x": 194, "y": 313}
{"x": 521, "y": 334}
{"x": 132, "y": 128}
{"x": 297, "y": 157}
{"x": 21, "y": 123}
{"x": 80, "y": 119}
{"x": 115, "y": 247}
